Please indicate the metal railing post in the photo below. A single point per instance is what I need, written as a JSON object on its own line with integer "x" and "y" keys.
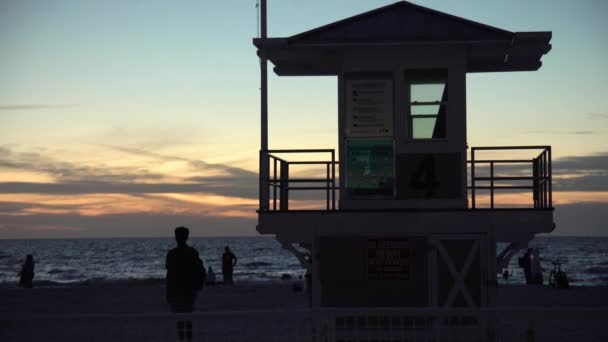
{"x": 549, "y": 171}
{"x": 274, "y": 188}
{"x": 284, "y": 201}
{"x": 545, "y": 180}
{"x": 264, "y": 175}
{"x": 473, "y": 178}
{"x": 333, "y": 179}
{"x": 327, "y": 184}
{"x": 492, "y": 185}
{"x": 535, "y": 187}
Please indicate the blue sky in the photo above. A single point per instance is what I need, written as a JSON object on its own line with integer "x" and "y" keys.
{"x": 146, "y": 91}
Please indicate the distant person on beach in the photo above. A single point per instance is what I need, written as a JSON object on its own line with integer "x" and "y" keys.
{"x": 185, "y": 276}
{"x": 26, "y": 275}
{"x": 536, "y": 271}
{"x": 525, "y": 262}
{"x": 210, "y": 276}
{"x": 228, "y": 263}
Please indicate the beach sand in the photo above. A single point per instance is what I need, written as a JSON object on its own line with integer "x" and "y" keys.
{"x": 146, "y": 297}
{"x": 137, "y": 311}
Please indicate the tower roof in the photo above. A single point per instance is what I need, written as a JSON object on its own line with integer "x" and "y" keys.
{"x": 405, "y": 24}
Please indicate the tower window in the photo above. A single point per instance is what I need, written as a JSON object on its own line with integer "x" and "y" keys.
{"x": 428, "y": 103}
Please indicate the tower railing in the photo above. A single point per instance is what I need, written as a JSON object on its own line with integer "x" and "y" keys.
{"x": 492, "y": 177}
{"x": 280, "y": 184}
{"x": 539, "y": 182}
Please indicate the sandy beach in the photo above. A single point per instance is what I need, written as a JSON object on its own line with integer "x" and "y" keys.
{"x": 138, "y": 312}
{"x": 149, "y": 298}
{"x": 146, "y": 297}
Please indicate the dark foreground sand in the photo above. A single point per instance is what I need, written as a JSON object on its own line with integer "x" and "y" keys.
{"x": 146, "y": 298}
{"x": 149, "y": 298}
{"x": 244, "y": 312}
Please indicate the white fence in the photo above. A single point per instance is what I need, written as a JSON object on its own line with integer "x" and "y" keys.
{"x": 336, "y": 325}
{"x": 432, "y": 325}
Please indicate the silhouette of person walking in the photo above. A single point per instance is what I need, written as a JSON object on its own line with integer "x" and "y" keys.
{"x": 184, "y": 272}
{"x": 526, "y": 263}
{"x": 536, "y": 271}
{"x": 26, "y": 275}
{"x": 228, "y": 263}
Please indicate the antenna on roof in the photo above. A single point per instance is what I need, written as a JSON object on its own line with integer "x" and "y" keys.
{"x": 257, "y": 14}
{"x": 263, "y": 15}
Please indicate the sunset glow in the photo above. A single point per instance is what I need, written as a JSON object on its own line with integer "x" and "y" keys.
{"x": 144, "y": 126}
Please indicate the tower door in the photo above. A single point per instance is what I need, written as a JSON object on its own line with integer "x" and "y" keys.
{"x": 459, "y": 270}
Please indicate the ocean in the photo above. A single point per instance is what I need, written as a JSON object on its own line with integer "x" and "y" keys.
{"x": 87, "y": 261}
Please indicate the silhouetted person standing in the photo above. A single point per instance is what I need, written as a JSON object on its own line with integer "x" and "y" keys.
{"x": 536, "y": 271}
{"x": 526, "y": 263}
{"x": 228, "y": 263}
{"x": 184, "y": 268}
{"x": 26, "y": 275}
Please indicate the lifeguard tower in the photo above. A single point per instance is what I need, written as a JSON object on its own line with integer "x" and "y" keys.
{"x": 411, "y": 214}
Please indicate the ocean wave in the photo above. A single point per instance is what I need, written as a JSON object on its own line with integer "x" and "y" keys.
{"x": 62, "y": 271}
{"x": 97, "y": 281}
{"x": 257, "y": 264}
{"x": 102, "y": 261}
{"x": 41, "y": 283}
{"x": 123, "y": 281}
{"x": 597, "y": 270}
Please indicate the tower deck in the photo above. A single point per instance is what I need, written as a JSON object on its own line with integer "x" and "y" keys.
{"x": 507, "y": 225}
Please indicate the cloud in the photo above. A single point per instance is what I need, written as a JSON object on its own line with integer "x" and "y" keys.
{"x": 567, "y": 217}
{"x": 82, "y": 179}
{"x": 219, "y": 186}
{"x": 69, "y": 172}
{"x": 198, "y": 164}
{"x": 585, "y": 173}
{"x": 121, "y": 225}
{"x": 19, "y": 208}
{"x": 37, "y": 106}
{"x": 580, "y": 173}
{"x": 595, "y": 162}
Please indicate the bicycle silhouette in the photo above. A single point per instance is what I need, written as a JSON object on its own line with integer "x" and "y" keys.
{"x": 557, "y": 277}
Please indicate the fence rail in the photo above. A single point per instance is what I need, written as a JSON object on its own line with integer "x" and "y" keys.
{"x": 280, "y": 183}
{"x": 321, "y": 325}
{"x": 433, "y": 325}
{"x": 539, "y": 183}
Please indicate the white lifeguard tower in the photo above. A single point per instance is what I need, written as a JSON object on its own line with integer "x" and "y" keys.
{"x": 415, "y": 215}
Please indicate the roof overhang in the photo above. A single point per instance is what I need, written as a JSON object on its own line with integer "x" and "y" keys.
{"x": 403, "y": 25}
{"x": 522, "y": 53}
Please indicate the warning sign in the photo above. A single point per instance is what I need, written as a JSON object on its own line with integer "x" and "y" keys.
{"x": 388, "y": 259}
{"x": 369, "y": 108}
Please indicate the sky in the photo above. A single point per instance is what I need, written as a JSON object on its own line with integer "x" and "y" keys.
{"x": 128, "y": 118}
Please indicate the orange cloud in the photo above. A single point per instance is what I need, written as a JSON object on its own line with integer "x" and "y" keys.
{"x": 524, "y": 199}
{"x": 109, "y": 204}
